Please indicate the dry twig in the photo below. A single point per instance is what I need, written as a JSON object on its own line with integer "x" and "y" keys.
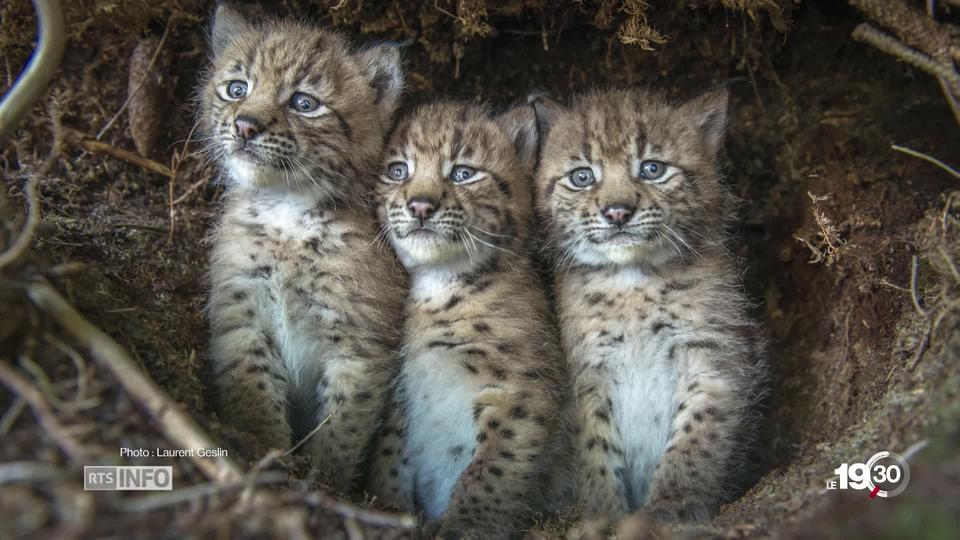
{"x": 158, "y": 501}
{"x": 20, "y": 386}
{"x": 369, "y": 517}
{"x": 950, "y": 170}
{"x": 28, "y": 471}
{"x": 19, "y": 246}
{"x": 915, "y": 286}
{"x": 98, "y": 147}
{"x": 911, "y": 26}
{"x": 923, "y": 42}
{"x": 312, "y": 432}
{"x": 175, "y": 424}
{"x": 886, "y": 43}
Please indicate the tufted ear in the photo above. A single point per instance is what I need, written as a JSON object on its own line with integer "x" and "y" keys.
{"x": 228, "y": 23}
{"x": 546, "y": 109}
{"x": 383, "y": 68}
{"x": 520, "y": 125}
{"x": 709, "y": 113}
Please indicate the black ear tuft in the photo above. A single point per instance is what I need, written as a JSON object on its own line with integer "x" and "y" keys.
{"x": 383, "y": 68}
{"x": 546, "y": 109}
{"x": 228, "y": 23}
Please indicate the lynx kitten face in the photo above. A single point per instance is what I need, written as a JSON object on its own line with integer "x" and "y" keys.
{"x": 667, "y": 365}
{"x": 454, "y": 191}
{"x": 631, "y": 179}
{"x": 293, "y": 107}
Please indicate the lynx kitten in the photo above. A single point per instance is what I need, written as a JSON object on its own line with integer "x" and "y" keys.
{"x": 666, "y": 364}
{"x": 303, "y": 306}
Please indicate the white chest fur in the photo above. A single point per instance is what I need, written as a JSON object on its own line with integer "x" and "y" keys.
{"x": 641, "y": 385}
{"x": 440, "y": 434}
{"x": 634, "y": 363}
{"x": 263, "y": 232}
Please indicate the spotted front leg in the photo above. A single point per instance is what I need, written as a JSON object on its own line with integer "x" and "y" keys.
{"x": 248, "y": 372}
{"x": 688, "y": 482}
{"x": 601, "y": 467}
{"x": 391, "y": 477}
{"x": 351, "y": 400}
{"x": 495, "y": 490}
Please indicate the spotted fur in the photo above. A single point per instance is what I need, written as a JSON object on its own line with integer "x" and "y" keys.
{"x": 303, "y": 306}
{"x": 666, "y": 363}
{"x": 480, "y": 438}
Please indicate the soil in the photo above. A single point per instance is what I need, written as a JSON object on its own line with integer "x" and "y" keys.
{"x": 830, "y": 221}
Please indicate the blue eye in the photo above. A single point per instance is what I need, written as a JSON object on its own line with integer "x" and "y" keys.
{"x": 582, "y": 178}
{"x": 304, "y": 103}
{"x": 462, "y": 174}
{"x": 398, "y": 171}
{"x": 236, "y": 89}
{"x": 652, "y": 170}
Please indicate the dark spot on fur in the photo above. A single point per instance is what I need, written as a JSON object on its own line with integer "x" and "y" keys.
{"x": 704, "y": 344}
{"x": 660, "y": 325}
{"x": 518, "y": 412}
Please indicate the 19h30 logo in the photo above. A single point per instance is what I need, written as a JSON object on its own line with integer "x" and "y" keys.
{"x": 885, "y": 474}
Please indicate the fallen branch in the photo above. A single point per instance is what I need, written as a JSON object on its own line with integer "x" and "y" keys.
{"x": 149, "y": 503}
{"x": 21, "y": 387}
{"x": 886, "y": 43}
{"x": 930, "y": 159}
{"x": 915, "y": 286}
{"x": 175, "y": 424}
{"x": 32, "y": 83}
{"x": 15, "y": 251}
{"x": 912, "y": 26}
{"x": 923, "y": 42}
{"x": 369, "y": 517}
{"x": 97, "y": 147}
{"x": 28, "y": 471}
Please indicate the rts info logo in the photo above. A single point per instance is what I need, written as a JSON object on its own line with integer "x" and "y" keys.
{"x": 885, "y": 474}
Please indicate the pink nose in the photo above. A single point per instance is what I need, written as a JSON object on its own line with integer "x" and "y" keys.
{"x": 421, "y": 208}
{"x": 247, "y": 127}
{"x": 618, "y": 214}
